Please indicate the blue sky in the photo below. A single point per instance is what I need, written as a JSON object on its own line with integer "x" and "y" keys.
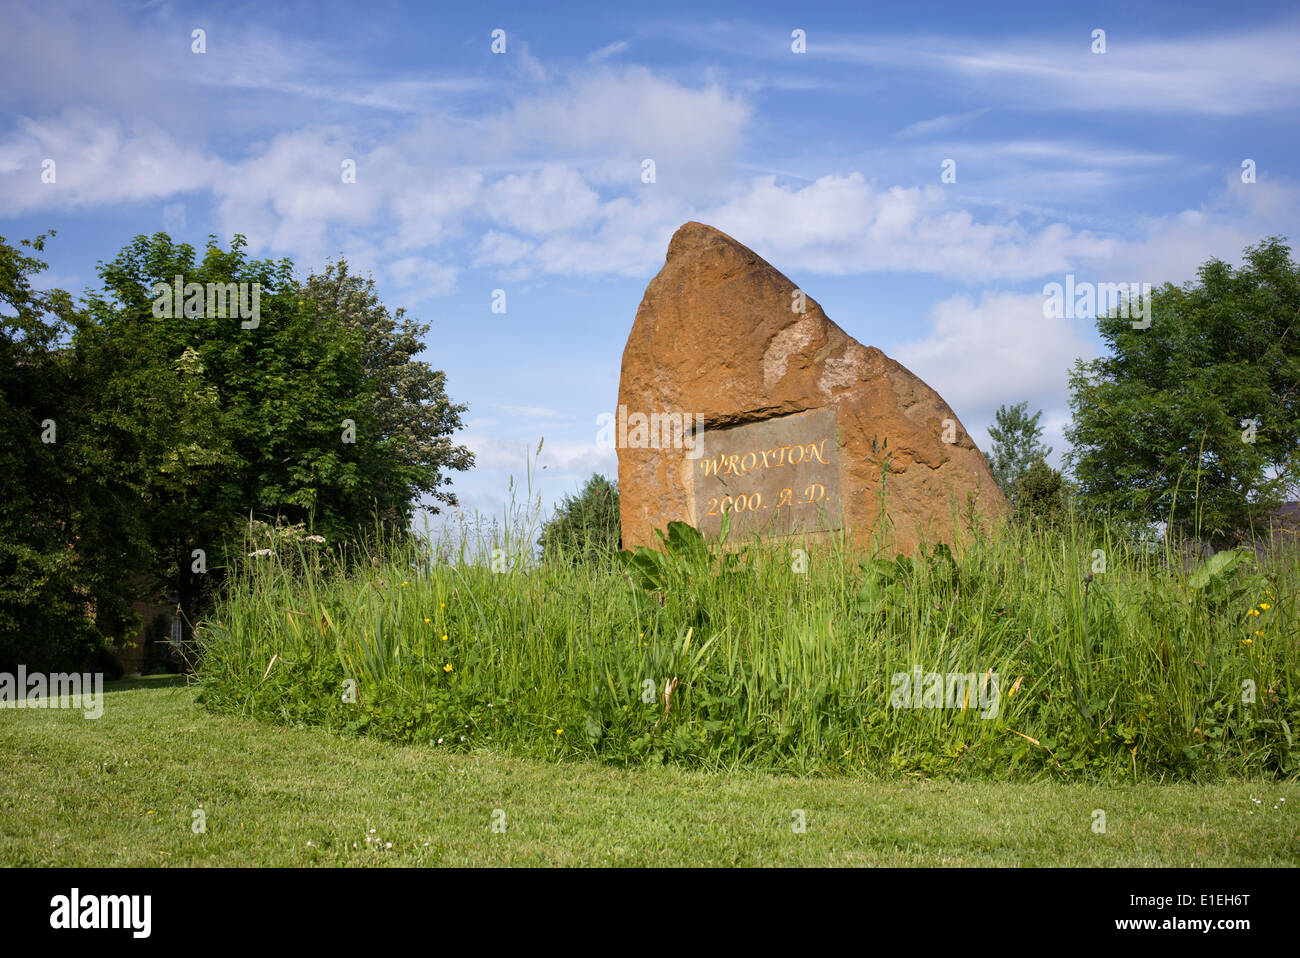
{"x": 522, "y": 171}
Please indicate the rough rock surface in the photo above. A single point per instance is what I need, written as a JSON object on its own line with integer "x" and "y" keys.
{"x": 717, "y": 336}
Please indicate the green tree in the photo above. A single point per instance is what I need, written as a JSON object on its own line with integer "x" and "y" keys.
{"x": 408, "y": 404}
{"x": 1196, "y": 419}
{"x": 1015, "y": 436}
{"x": 297, "y": 415}
{"x": 192, "y": 410}
{"x": 585, "y": 527}
{"x": 56, "y": 577}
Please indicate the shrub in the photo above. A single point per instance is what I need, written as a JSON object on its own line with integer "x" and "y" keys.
{"x": 585, "y": 527}
{"x": 1040, "y": 493}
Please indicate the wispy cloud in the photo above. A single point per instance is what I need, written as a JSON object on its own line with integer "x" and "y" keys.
{"x": 1230, "y": 74}
{"x": 1243, "y": 72}
{"x": 530, "y": 412}
{"x": 608, "y": 51}
{"x": 941, "y": 124}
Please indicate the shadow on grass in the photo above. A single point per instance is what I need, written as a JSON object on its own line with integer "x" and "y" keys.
{"x": 163, "y": 681}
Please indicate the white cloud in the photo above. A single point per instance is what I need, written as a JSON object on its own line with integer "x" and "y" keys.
{"x": 561, "y": 459}
{"x": 1170, "y": 248}
{"x": 607, "y": 51}
{"x": 427, "y": 204}
{"x": 420, "y": 277}
{"x": 842, "y": 224}
{"x": 446, "y": 192}
{"x": 527, "y": 64}
{"x": 630, "y": 112}
{"x": 546, "y": 201}
{"x": 55, "y": 54}
{"x": 287, "y": 195}
{"x": 501, "y": 249}
{"x": 1222, "y": 73}
{"x": 999, "y": 350}
{"x": 508, "y": 454}
{"x": 1058, "y": 152}
{"x": 580, "y": 459}
{"x": 939, "y": 124}
{"x": 412, "y": 199}
{"x": 290, "y": 195}
{"x": 97, "y": 161}
{"x": 1230, "y": 74}
{"x": 531, "y": 412}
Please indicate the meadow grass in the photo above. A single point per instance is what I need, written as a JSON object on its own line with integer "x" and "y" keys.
{"x": 122, "y": 791}
{"x": 1110, "y": 661}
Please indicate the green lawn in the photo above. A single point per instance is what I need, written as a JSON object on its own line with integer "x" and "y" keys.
{"x": 122, "y": 791}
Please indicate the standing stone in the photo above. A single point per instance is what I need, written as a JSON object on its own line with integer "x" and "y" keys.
{"x": 732, "y": 399}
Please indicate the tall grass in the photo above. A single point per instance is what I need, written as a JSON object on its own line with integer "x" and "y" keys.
{"x": 1135, "y": 672}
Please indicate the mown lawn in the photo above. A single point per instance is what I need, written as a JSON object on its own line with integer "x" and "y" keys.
{"x": 122, "y": 791}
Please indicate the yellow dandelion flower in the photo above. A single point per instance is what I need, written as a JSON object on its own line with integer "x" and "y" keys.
{"x": 447, "y": 667}
{"x": 559, "y": 731}
{"x": 1257, "y": 632}
{"x": 1247, "y": 641}
{"x": 1264, "y": 605}
{"x": 427, "y": 621}
{"x": 444, "y": 638}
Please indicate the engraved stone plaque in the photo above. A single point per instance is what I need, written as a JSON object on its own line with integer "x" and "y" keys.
{"x": 776, "y": 477}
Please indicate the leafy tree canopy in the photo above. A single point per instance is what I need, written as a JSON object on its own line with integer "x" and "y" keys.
{"x": 237, "y": 392}
{"x": 1015, "y": 445}
{"x": 1196, "y": 419}
{"x": 52, "y": 576}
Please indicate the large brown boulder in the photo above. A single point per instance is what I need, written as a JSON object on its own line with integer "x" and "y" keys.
{"x": 799, "y": 419}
